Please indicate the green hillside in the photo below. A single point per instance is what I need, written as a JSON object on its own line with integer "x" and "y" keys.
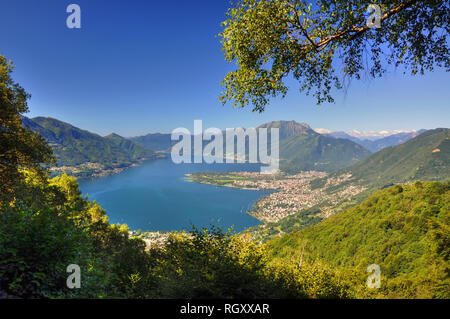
{"x": 136, "y": 151}
{"x": 319, "y": 153}
{"x": 403, "y": 229}
{"x": 380, "y": 143}
{"x": 73, "y": 146}
{"x": 425, "y": 157}
{"x": 301, "y": 148}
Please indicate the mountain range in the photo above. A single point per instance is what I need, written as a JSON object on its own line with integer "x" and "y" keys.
{"x": 302, "y": 148}
{"x": 73, "y": 146}
{"x": 425, "y": 156}
{"x": 376, "y": 141}
{"x": 309, "y": 152}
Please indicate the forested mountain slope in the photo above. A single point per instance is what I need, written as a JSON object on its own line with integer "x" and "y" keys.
{"x": 425, "y": 157}
{"x": 403, "y": 229}
{"x": 301, "y": 148}
{"x": 73, "y": 146}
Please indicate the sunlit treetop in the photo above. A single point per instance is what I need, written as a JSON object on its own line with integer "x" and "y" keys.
{"x": 327, "y": 43}
{"x": 19, "y": 147}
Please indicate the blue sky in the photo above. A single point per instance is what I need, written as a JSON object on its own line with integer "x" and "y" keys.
{"x": 150, "y": 66}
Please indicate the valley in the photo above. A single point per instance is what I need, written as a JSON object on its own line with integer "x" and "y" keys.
{"x": 320, "y": 174}
{"x": 321, "y": 177}
{"x": 306, "y": 198}
{"x": 223, "y": 155}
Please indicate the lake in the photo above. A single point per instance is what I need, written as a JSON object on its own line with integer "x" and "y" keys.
{"x": 156, "y": 197}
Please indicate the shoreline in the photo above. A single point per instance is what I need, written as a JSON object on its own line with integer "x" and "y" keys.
{"x": 189, "y": 178}
{"x": 91, "y": 170}
{"x": 290, "y": 194}
{"x": 251, "y": 212}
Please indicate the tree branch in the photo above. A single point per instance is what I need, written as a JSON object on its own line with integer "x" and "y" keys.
{"x": 360, "y": 30}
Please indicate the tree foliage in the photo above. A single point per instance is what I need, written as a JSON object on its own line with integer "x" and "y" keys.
{"x": 213, "y": 264}
{"x": 325, "y": 44}
{"x": 19, "y": 147}
{"x": 403, "y": 229}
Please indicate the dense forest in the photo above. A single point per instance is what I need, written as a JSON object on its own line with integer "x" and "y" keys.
{"x": 403, "y": 229}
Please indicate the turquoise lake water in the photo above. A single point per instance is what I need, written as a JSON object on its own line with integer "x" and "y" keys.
{"x": 156, "y": 197}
